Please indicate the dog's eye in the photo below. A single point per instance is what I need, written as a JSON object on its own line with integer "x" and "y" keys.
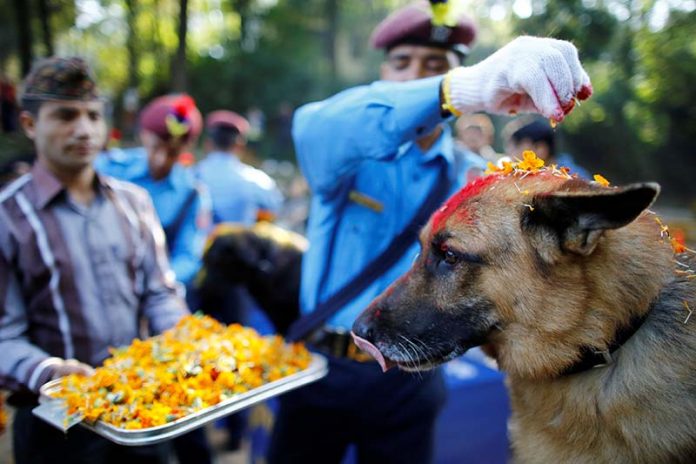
{"x": 450, "y": 257}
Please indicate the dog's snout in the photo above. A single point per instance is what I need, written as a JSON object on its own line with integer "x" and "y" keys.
{"x": 363, "y": 327}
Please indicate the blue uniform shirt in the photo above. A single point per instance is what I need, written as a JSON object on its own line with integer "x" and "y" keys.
{"x": 238, "y": 191}
{"x": 168, "y": 195}
{"x": 368, "y": 178}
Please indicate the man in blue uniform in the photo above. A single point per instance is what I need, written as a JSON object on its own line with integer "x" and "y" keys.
{"x": 240, "y": 192}
{"x": 169, "y": 126}
{"x": 375, "y": 157}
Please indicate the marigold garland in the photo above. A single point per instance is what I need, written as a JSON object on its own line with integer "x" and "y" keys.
{"x": 192, "y": 366}
{"x": 531, "y": 163}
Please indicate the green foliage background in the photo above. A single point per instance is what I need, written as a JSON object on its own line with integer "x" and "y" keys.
{"x": 639, "y": 125}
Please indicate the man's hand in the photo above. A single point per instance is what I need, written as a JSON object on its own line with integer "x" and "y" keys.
{"x": 528, "y": 75}
{"x": 71, "y": 366}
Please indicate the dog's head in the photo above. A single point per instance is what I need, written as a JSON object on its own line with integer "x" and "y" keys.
{"x": 263, "y": 258}
{"x": 534, "y": 266}
{"x": 245, "y": 254}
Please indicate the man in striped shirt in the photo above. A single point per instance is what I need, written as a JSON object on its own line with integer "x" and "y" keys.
{"x": 82, "y": 262}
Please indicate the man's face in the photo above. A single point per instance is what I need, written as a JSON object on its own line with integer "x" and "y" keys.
{"x": 67, "y": 134}
{"x": 409, "y": 62}
{"x": 161, "y": 154}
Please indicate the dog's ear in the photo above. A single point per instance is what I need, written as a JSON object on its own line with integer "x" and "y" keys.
{"x": 575, "y": 220}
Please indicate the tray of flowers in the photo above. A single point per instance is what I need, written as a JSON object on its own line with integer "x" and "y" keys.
{"x": 159, "y": 388}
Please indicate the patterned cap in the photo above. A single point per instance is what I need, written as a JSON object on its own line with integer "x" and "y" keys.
{"x": 172, "y": 116}
{"x": 60, "y": 79}
{"x": 227, "y": 118}
{"x": 437, "y": 24}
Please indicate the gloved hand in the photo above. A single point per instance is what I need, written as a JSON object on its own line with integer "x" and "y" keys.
{"x": 528, "y": 75}
{"x": 71, "y": 366}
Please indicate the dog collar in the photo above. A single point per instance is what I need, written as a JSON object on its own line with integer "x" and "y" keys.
{"x": 591, "y": 358}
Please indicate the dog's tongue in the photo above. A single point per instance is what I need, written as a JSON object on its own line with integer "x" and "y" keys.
{"x": 373, "y": 351}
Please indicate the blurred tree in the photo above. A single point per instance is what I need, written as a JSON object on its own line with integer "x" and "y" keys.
{"x": 25, "y": 38}
{"x": 179, "y": 63}
{"x": 277, "y": 54}
{"x": 46, "y": 29}
{"x": 641, "y": 120}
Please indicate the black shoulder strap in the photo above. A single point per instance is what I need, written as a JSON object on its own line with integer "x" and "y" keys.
{"x": 172, "y": 229}
{"x": 378, "y": 265}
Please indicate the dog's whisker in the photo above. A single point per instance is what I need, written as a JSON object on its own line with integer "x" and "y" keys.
{"x": 425, "y": 350}
{"x": 686, "y": 305}
{"x": 415, "y": 348}
{"x": 412, "y": 361}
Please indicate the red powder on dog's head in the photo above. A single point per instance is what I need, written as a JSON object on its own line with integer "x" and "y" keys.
{"x": 469, "y": 191}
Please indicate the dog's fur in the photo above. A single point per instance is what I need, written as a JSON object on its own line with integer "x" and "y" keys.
{"x": 263, "y": 258}
{"x": 538, "y": 268}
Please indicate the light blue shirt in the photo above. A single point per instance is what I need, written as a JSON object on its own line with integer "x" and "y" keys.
{"x": 238, "y": 191}
{"x": 368, "y": 178}
{"x": 168, "y": 195}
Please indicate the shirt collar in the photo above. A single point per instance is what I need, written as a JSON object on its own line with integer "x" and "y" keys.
{"x": 443, "y": 147}
{"x": 46, "y": 184}
{"x": 49, "y": 187}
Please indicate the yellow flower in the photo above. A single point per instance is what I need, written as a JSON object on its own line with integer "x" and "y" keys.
{"x": 530, "y": 162}
{"x": 198, "y": 363}
{"x": 508, "y": 167}
{"x": 601, "y": 180}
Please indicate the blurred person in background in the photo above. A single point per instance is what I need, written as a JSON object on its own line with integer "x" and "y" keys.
{"x": 379, "y": 159}
{"x": 476, "y": 132}
{"x": 82, "y": 262}
{"x": 538, "y": 136}
{"x": 169, "y": 126}
{"x": 240, "y": 193}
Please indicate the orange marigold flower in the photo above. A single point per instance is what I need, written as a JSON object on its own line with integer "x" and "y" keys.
{"x": 3, "y": 415}
{"x": 508, "y": 167}
{"x": 678, "y": 246}
{"x": 491, "y": 168}
{"x": 601, "y": 180}
{"x": 530, "y": 161}
{"x": 198, "y": 363}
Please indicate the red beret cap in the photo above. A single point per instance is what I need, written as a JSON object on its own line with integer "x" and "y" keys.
{"x": 172, "y": 116}
{"x": 413, "y": 24}
{"x": 227, "y": 118}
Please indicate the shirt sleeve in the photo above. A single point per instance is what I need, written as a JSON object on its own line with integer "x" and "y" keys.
{"x": 269, "y": 196}
{"x": 162, "y": 303}
{"x": 23, "y": 365}
{"x": 334, "y": 136}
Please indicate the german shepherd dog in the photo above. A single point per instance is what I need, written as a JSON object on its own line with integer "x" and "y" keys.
{"x": 575, "y": 289}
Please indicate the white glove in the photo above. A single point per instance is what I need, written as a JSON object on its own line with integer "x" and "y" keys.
{"x": 71, "y": 366}
{"x": 528, "y": 75}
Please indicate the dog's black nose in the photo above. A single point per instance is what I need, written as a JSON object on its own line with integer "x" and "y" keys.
{"x": 363, "y": 327}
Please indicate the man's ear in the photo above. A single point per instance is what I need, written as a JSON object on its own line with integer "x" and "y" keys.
{"x": 28, "y": 123}
{"x": 575, "y": 221}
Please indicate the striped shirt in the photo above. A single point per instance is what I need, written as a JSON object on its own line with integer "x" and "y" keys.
{"x": 77, "y": 279}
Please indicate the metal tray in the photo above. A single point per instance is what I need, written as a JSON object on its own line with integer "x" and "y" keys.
{"x": 139, "y": 437}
